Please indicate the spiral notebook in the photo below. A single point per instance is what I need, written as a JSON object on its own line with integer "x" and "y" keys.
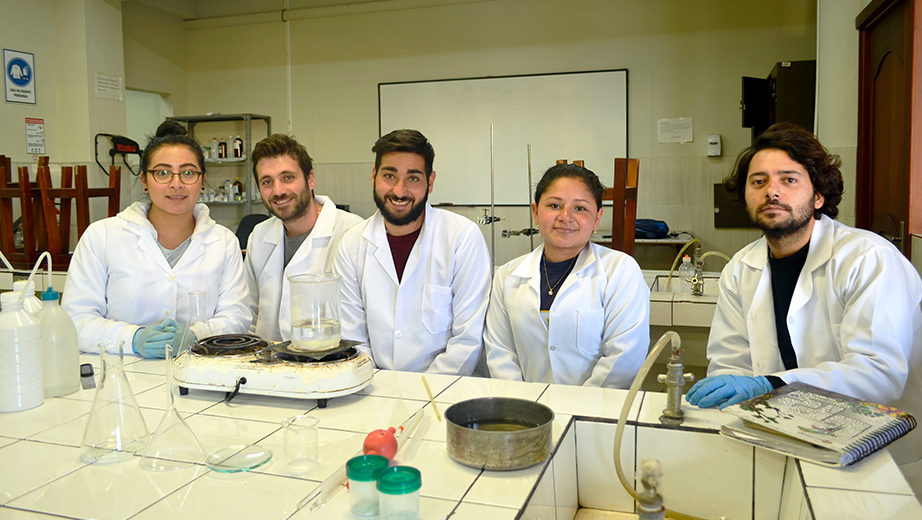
{"x": 817, "y": 425}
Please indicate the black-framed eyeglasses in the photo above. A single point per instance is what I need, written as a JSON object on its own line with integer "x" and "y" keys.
{"x": 165, "y": 176}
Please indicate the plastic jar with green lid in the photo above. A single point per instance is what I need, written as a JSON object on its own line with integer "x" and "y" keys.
{"x": 398, "y": 492}
{"x": 362, "y": 472}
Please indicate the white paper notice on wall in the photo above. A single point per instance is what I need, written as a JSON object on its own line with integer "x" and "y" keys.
{"x": 674, "y": 130}
{"x": 108, "y": 87}
{"x": 35, "y": 136}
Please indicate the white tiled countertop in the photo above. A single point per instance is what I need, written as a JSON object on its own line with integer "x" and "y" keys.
{"x": 41, "y": 472}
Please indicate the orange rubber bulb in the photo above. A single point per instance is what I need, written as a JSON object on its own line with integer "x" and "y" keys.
{"x": 381, "y": 442}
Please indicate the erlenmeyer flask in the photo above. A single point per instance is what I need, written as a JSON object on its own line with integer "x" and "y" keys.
{"x": 197, "y": 328}
{"x": 173, "y": 445}
{"x": 115, "y": 429}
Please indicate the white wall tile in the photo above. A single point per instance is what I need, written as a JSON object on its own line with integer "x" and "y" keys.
{"x": 704, "y": 474}
{"x": 587, "y": 401}
{"x": 874, "y": 473}
{"x": 769, "y": 481}
{"x": 566, "y": 494}
{"x": 829, "y": 504}
{"x": 542, "y": 503}
{"x": 509, "y": 488}
{"x": 661, "y": 311}
{"x": 597, "y": 480}
{"x": 693, "y": 314}
{"x": 655, "y": 402}
{"x": 793, "y": 499}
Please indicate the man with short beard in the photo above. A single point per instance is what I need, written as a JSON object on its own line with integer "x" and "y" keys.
{"x": 299, "y": 238}
{"x": 416, "y": 280}
{"x": 814, "y": 300}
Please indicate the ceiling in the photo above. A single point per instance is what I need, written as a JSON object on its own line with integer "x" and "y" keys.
{"x": 199, "y": 9}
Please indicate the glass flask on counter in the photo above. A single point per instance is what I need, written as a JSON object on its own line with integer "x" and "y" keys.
{"x": 197, "y": 327}
{"x": 115, "y": 429}
{"x": 173, "y": 445}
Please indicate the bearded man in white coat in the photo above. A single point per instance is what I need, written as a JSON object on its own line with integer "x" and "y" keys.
{"x": 416, "y": 280}
{"x": 299, "y": 238}
{"x": 814, "y": 300}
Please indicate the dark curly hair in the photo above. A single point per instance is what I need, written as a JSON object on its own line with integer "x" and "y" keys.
{"x": 802, "y": 147}
{"x": 590, "y": 179}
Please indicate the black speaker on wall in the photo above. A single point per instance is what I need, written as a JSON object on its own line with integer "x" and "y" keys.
{"x": 754, "y": 105}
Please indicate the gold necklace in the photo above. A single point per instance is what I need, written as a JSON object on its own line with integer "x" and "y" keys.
{"x": 550, "y": 291}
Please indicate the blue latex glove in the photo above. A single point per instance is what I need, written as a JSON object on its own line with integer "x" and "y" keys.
{"x": 151, "y": 342}
{"x": 726, "y": 390}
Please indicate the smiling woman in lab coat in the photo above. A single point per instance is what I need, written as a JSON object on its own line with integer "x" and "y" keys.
{"x": 131, "y": 274}
{"x": 569, "y": 312}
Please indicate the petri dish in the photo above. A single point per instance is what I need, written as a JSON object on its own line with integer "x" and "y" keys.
{"x": 234, "y": 459}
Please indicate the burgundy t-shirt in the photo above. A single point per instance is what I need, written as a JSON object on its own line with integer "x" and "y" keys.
{"x": 400, "y": 250}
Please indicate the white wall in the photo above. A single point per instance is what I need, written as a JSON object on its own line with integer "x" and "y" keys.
{"x": 685, "y": 59}
{"x": 837, "y": 90}
{"x": 157, "y": 55}
{"x": 73, "y": 41}
{"x": 25, "y": 27}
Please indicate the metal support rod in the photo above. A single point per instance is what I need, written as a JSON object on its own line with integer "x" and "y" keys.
{"x": 492, "y": 202}
{"x": 531, "y": 217}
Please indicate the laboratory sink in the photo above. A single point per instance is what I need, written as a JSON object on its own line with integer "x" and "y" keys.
{"x": 706, "y": 476}
{"x": 711, "y": 285}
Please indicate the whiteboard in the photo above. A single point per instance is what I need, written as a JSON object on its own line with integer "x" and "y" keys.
{"x": 580, "y": 115}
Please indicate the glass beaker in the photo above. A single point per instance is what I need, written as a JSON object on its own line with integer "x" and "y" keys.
{"x": 115, "y": 429}
{"x": 197, "y": 327}
{"x": 299, "y": 434}
{"x": 315, "y": 311}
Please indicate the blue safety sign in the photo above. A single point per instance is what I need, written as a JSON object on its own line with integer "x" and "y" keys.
{"x": 19, "y": 80}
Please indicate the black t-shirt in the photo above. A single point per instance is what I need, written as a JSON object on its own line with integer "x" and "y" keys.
{"x": 785, "y": 272}
{"x": 556, "y": 273}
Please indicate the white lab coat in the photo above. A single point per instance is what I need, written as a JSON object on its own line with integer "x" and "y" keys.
{"x": 599, "y": 330}
{"x": 119, "y": 280}
{"x": 432, "y": 321}
{"x": 854, "y": 320}
{"x": 267, "y": 276}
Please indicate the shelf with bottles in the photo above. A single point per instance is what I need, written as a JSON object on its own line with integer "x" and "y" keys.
{"x": 228, "y": 190}
{"x": 232, "y": 152}
{"x": 231, "y": 160}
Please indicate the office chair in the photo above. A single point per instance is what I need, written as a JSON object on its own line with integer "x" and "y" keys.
{"x": 247, "y": 223}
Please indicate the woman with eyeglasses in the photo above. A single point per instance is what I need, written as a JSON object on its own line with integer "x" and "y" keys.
{"x": 131, "y": 274}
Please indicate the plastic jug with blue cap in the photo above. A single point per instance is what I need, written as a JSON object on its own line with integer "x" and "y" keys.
{"x": 60, "y": 354}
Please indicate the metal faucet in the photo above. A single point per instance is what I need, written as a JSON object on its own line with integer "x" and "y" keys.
{"x": 675, "y": 382}
{"x": 697, "y": 283}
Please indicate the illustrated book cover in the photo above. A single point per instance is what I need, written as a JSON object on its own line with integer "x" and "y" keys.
{"x": 817, "y": 425}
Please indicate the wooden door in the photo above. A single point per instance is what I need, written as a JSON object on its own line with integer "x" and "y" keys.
{"x": 887, "y": 138}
